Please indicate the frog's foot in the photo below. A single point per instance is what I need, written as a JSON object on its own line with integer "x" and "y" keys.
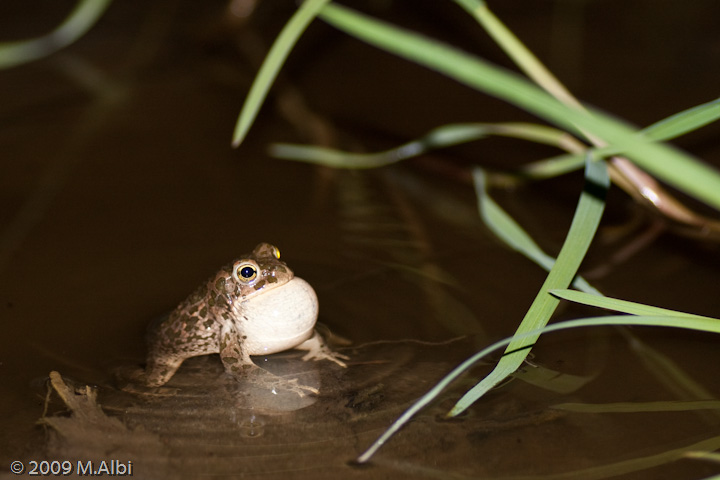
{"x": 260, "y": 378}
{"x": 134, "y": 381}
{"x": 326, "y": 355}
{"x": 159, "y": 370}
{"x": 318, "y": 350}
{"x": 141, "y": 389}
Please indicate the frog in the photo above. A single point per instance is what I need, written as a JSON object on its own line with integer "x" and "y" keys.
{"x": 254, "y": 305}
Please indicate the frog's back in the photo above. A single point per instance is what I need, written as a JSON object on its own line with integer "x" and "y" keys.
{"x": 188, "y": 331}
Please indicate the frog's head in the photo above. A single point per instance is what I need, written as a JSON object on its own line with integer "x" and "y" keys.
{"x": 272, "y": 319}
{"x": 258, "y": 272}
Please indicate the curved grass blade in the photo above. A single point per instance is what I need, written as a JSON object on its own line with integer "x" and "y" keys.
{"x": 698, "y": 450}
{"x": 552, "y": 167}
{"x": 705, "y": 455}
{"x": 617, "y": 305}
{"x": 637, "y": 407}
{"x": 671, "y": 127}
{"x": 279, "y": 51}
{"x": 684, "y": 122}
{"x": 522, "y": 57}
{"x": 666, "y": 371}
{"x": 444, "y": 136}
{"x": 637, "y": 182}
{"x": 631, "y": 465}
{"x": 669, "y": 164}
{"x": 454, "y": 134}
{"x": 441, "y": 137}
{"x": 513, "y": 234}
{"x": 628, "y": 176}
{"x": 81, "y": 19}
{"x": 709, "y": 325}
{"x": 582, "y": 230}
{"x": 666, "y": 129}
{"x": 635, "y": 464}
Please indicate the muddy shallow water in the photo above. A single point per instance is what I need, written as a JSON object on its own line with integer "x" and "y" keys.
{"x": 121, "y": 194}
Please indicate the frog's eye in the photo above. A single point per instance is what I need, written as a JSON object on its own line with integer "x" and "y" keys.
{"x": 266, "y": 250}
{"x": 245, "y": 272}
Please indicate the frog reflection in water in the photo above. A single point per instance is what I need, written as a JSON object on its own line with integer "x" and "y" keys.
{"x": 253, "y": 306}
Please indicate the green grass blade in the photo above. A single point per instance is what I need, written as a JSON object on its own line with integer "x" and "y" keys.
{"x": 701, "y": 324}
{"x": 668, "y": 164}
{"x": 276, "y": 57}
{"x": 632, "y": 465}
{"x": 505, "y": 227}
{"x": 441, "y": 137}
{"x": 85, "y": 14}
{"x": 666, "y": 371}
{"x": 584, "y": 223}
{"x": 684, "y": 122}
{"x": 665, "y": 129}
{"x": 715, "y": 457}
{"x": 582, "y": 230}
{"x": 553, "y": 167}
{"x": 616, "y": 304}
{"x": 671, "y": 127}
{"x": 330, "y": 157}
{"x": 518, "y": 52}
{"x": 636, "y": 407}
{"x": 454, "y": 134}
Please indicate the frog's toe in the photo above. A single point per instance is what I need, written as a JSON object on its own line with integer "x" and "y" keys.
{"x": 331, "y": 356}
{"x": 301, "y": 390}
{"x": 141, "y": 389}
{"x": 134, "y": 381}
{"x": 338, "y": 358}
{"x": 269, "y": 381}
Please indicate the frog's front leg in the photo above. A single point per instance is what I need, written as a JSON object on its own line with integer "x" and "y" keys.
{"x": 237, "y": 362}
{"x": 234, "y": 357}
{"x": 318, "y": 350}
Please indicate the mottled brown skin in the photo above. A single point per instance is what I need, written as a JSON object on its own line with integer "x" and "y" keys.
{"x": 210, "y": 320}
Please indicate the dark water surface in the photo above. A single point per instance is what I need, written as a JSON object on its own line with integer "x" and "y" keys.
{"x": 120, "y": 194}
